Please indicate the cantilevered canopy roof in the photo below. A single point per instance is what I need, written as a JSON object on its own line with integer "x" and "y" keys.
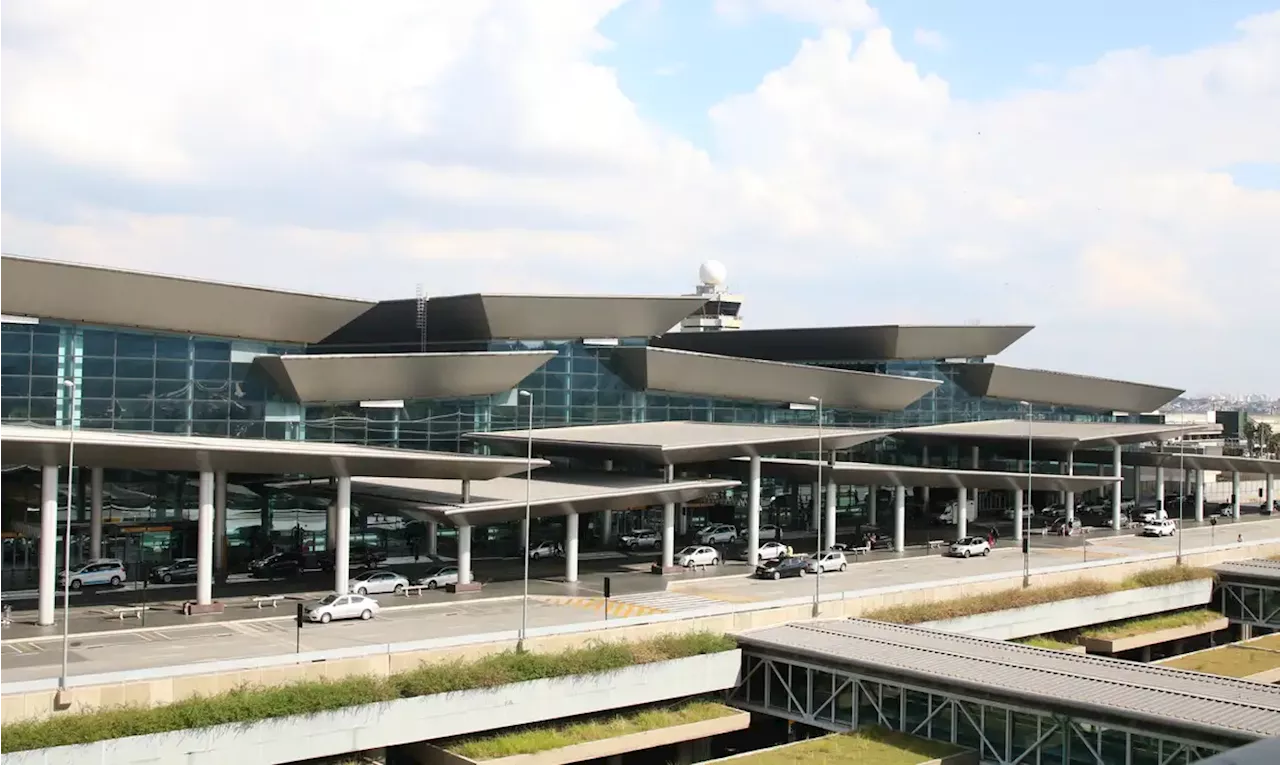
{"x": 459, "y": 318}
{"x": 1254, "y": 570}
{"x": 317, "y": 378}
{"x": 93, "y": 295}
{"x": 550, "y": 494}
{"x": 674, "y": 443}
{"x": 1065, "y": 435}
{"x": 1043, "y": 387}
{"x": 1168, "y": 459}
{"x": 28, "y": 445}
{"x": 704, "y": 374}
{"x": 872, "y": 474}
{"x": 869, "y": 343}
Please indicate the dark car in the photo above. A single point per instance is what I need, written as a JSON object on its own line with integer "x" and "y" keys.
{"x": 181, "y": 570}
{"x": 778, "y": 568}
{"x": 278, "y": 565}
{"x": 360, "y": 558}
{"x": 877, "y": 539}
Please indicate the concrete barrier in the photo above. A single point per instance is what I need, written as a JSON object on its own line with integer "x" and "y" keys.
{"x": 967, "y": 757}
{"x": 392, "y": 723}
{"x": 1079, "y": 612}
{"x": 1117, "y": 645}
{"x": 164, "y": 685}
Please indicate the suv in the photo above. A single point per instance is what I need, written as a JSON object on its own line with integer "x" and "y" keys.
{"x": 1162, "y": 528}
{"x": 967, "y": 547}
{"x": 182, "y": 569}
{"x": 638, "y": 539}
{"x": 718, "y": 533}
{"x": 98, "y": 572}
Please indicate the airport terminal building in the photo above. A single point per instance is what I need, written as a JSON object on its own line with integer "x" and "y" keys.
{"x": 221, "y": 421}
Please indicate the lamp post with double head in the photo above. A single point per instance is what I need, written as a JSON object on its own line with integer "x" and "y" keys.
{"x": 528, "y": 482}
{"x": 66, "y": 537}
{"x": 1182, "y": 492}
{"x": 817, "y": 514}
{"x": 1026, "y": 519}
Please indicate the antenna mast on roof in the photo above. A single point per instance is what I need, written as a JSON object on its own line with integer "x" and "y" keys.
{"x": 420, "y": 297}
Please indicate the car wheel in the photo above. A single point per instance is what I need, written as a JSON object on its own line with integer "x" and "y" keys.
{"x": 715, "y": 561}
{"x": 366, "y": 615}
{"x": 167, "y": 578}
{"x": 362, "y": 591}
{"x": 776, "y": 576}
{"x": 966, "y": 554}
{"x": 844, "y": 566}
{"x": 985, "y": 553}
{"x": 75, "y": 584}
{"x": 803, "y": 571}
{"x": 325, "y": 618}
{"x": 431, "y": 585}
{"x": 115, "y": 581}
{"x": 399, "y": 589}
{"x": 534, "y": 556}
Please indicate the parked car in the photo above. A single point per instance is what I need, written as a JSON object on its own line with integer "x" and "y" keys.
{"x": 1063, "y": 526}
{"x": 1269, "y": 509}
{"x": 831, "y": 560}
{"x": 438, "y": 576}
{"x": 1054, "y": 511}
{"x": 1027, "y": 512}
{"x": 875, "y": 539}
{"x": 95, "y": 573}
{"x": 718, "y": 533}
{"x": 967, "y": 547}
{"x": 770, "y": 531}
{"x": 1163, "y": 528}
{"x": 794, "y": 565}
{"x": 365, "y": 557}
{"x": 640, "y": 539}
{"x": 697, "y": 555}
{"x": 1154, "y": 515}
{"x": 771, "y": 550}
{"x": 546, "y": 549}
{"x": 337, "y": 606}
{"x": 277, "y": 565}
{"x": 181, "y": 570}
{"x": 378, "y": 581}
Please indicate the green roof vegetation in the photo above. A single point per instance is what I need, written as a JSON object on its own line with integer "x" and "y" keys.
{"x": 1134, "y": 627}
{"x": 251, "y": 704}
{"x": 1238, "y": 660}
{"x": 866, "y": 746}
{"x": 542, "y": 738}
{"x": 1044, "y": 641}
{"x": 1021, "y": 598}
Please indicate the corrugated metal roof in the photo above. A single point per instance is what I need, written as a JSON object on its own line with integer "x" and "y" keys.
{"x": 1054, "y": 679}
{"x": 1257, "y": 568}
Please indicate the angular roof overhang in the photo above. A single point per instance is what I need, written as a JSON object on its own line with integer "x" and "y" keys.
{"x": 550, "y": 494}
{"x": 1060, "y": 388}
{"x": 324, "y": 378}
{"x": 1258, "y": 570}
{"x": 676, "y": 442}
{"x": 873, "y": 474}
{"x": 837, "y": 344}
{"x": 29, "y": 445}
{"x": 1189, "y": 460}
{"x": 94, "y": 295}
{"x": 458, "y": 318}
{"x": 702, "y": 374}
{"x": 1048, "y": 433}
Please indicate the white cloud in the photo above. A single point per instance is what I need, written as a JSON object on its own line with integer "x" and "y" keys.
{"x": 833, "y": 14}
{"x": 476, "y": 145}
{"x": 930, "y": 38}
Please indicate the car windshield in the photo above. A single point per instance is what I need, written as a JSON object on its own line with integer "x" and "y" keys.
{"x": 689, "y": 551}
{"x": 328, "y": 600}
{"x": 365, "y": 575}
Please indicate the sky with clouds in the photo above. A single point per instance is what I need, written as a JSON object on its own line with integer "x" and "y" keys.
{"x": 1109, "y": 172}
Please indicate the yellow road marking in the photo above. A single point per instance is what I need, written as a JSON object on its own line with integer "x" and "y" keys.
{"x": 616, "y": 608}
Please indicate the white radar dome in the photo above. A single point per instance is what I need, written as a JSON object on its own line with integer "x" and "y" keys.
{"x": 713, "y": 273}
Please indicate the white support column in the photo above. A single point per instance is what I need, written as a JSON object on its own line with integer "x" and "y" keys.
{"x": 1270, "y": 493}
{"x": 1137, "y": 485}
{"x": 606, "y": 527}
{"x": 464, "y": 554}
{"x": 524, "y": 534}
{"x": 48, "y": 543}
{"x": 872, "y": 499}
{"x": 973, "y": 459}
{"x": 95, "y": 512}
{"x": 899, "y": 518}
{"x": 219, "y": 523}
{"x": 1235, "y": 494}
{"x": 331, "y": 525}
{"x": 1018, "y": 520}
{"x": 204, "y": 541}
{"x": 1071, "y": 495}
{"x": 571, "y": 547}
{"x": 1159, "y": 488}
{"x": 815, "y": 507}
{"x": 924, "y": 462}
{"x": 962, "y": 513}
{"x": 1117, "y": 491}
{"x": 342, "y": 537}
{"x": 684, "y": 520}
{"x": 668, "y": 525}
{"x": 1199, "y": 494}
{"x": 753, "y": 513}
{"x": 829, "y": 523}
{"x": 433, "y": 538}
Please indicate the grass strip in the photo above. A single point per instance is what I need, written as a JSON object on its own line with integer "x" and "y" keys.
{"x": 1043, "y": 641}
{"x": 542, "y": 738}
{"x": 866, "y": 746}
{"x": 251, "y": 704}
{"x": 1147, "y": 624}
{"x": 1004, "y": 600}
{"x": 1239, "y": 660}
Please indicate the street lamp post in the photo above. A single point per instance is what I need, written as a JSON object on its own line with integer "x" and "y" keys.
{"x": 1182, "y": 492}
{"x": 817, "y": 512}
{"x": 1026, "y": 530}
{"x": 66, "y": 538}
{"x": 528, "y": 481}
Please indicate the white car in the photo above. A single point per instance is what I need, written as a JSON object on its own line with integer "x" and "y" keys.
{"x": 719, "y": 533}
{"x": 98, "y": 572}
{"x": 769, "y": 531}
{"x": 438, "y": 577}
{"x": 378, "y": 581}
{"x": 1027, "y": 512}
{"x": 640, "y": 538}
{"x": 1154, "y": 516}
{"x": 1164, "y": 528}
{"x": 967, "y": 547}
{"x": 546, "y": 549}
{"x": 831, "y": 560}
{"x": 697, "y": 555}
{"x": 771, "y": 550}
{"x": 337, "y": 606}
